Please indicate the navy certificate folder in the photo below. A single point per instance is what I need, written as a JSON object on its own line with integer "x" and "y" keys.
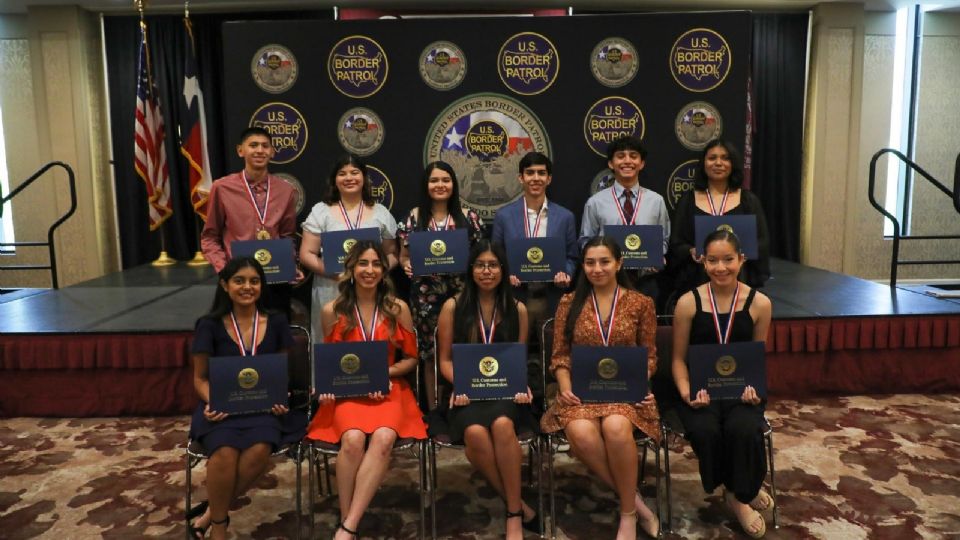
{"x": 351, "y": 368}
{"x": 247, "y": 384}
{"x": 275, "y": 256}
{"x": 641, "y": 245}
{"x": 742, "y": 225}
{"x": 536, "y": 259}
{"x": 336, "y": 244}
{"x": 489, "y": 371}
{"x": 608, "y": 374}
{"x": 439, "y": 252}
{"x": 725, "y": 370}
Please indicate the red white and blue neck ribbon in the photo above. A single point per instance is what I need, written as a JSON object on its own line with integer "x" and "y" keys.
{"x": 367, "y": 335}
{"x": 636, "y": 207}
{"x": 605, "y": 332}
{"x": 262, "y": 216}
{"x": 253, "y": 338}
{"x": 486, "y": 334}
{"x": 723, "y": 203}
{"x": 346, "y": 218}
{"x": 723, "y": 335}
{"x": 438, "y": 227}
{"x": 526, "y": 220}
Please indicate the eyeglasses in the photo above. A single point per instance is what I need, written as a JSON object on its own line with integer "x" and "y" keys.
{"x": 481, "y": 266}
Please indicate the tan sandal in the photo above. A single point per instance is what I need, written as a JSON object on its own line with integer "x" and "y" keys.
{"x": 762, "y": 502}
{"x": 748, "y": 521}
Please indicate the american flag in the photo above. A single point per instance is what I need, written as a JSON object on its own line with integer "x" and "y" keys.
{"x": 193, "y": 130}
{"x": 150, "y": 156}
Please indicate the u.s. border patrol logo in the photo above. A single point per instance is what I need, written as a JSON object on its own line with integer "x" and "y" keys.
{"x": 483, "y": 137}
{"x": 614, "y": 62}
{"x": 297, "y": 186}
{"x": 609, "y": 119}
{"x": 700, "y": 60}
{"x": 528, "y": 63}
{"x": 274, "y": 68}
{"x": 287, "y": 129}
{"x": 697, "y": 124}
{"x": 681, "y": 181}
{"x": 357, "y": 66}
{"x": 248, "y": 378}
{"x": 360, "y": 131}
{"x": 602, "y": 180}
{"x": 380, "y": 186}
{"x": 443, "y": 65}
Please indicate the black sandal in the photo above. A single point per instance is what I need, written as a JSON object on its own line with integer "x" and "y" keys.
{"x": 532, "y": 525}
{"x": 225, "y": 521}
{"x": 348, "y": 531}
{"x": 195, "y": 512}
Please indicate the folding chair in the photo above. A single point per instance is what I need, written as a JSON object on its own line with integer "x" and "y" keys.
{"x": 530, "y": 441}
{"x": 298, "y": 369}
{"x": 555, "y": 440}
{"x": 319, "y": 450}
{"x": 672, "y": 426}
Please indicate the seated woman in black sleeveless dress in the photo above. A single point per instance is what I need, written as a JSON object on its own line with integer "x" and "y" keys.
{"x": 725, "y": 435}
{"x": 238, "y": 446}
{"x": 486, "y": 312}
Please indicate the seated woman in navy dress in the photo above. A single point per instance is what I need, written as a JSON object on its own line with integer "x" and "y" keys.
{"x": 238, "y": 446}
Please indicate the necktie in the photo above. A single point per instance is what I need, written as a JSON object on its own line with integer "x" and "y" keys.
{"x": 628, "y": 203}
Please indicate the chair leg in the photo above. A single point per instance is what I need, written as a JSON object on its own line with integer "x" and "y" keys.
{"x": 657, "y": 472}
{"x": 299, "y": 468}
{"x": 773, "y": 480}
{"x": 189, "y": 486}
{"x": 433, "y": 490}
{"x": 641, "y": 478}
{"x": 326, "y": 473}
{"x": 552, "y": 488}
{"x": 666, "y": 469}
{"x": 313, "y": 476}
{"x": 422, "y": 464}
{"x": 540, "y": 513}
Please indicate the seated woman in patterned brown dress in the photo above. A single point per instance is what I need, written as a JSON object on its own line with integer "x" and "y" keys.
{"x": 603, "y": 311}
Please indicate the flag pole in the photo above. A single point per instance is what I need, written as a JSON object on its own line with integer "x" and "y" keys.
{"x": 198, "y": 258}
{"x": 164, "y": 259}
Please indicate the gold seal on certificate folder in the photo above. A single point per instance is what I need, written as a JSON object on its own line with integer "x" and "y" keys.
{"x": 263, "y": 257}
{"x": 607, "y": 368}
{"x": 726, "y": 365}
{"x": 489, "y": 366}
{"x": 263, "y": 234}
{"x": 438, "y": 248}
{"x": 725, "y": 227}
{"x": 248, "y": 378}
{"x": 535, "y": 255}
{"x": 350, "y": 363}
{"x": 632, "y": 242}
{"x": 348, "y": 243}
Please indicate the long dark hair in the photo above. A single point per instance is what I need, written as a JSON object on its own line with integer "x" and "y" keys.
{"x": 584, "y": 287}
{"x": 347, "y": 300}
{"x": 222, "y": 304}
{"x": 425, "y": 208}
{"x": 736, "y": 165}
{"x": 333, "y": 194}
{"x": 465, "y": 313}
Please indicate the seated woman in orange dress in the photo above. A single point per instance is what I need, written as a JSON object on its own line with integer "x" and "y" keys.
{"x": 602, "y": 310}
{"x": 366, "y": 428}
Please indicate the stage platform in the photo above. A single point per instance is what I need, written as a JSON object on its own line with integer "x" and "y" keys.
{"x": 119, "y": 344}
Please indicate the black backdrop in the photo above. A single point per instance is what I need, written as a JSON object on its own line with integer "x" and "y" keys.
{"x": 408, "y": 107}
{"x": 778, "y": 63}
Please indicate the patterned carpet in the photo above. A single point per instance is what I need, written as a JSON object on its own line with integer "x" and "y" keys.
{"x": 847, "y": 468}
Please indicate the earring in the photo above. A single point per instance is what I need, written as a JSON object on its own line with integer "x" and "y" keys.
{"x": 351, "y": 281}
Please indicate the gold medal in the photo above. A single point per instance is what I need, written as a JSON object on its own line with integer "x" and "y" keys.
{"x": 263, "y": 234}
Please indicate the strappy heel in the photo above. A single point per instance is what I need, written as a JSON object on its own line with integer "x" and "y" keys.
{"x": 355, "y": 534}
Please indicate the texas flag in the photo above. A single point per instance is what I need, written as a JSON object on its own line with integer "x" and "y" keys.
{"x": 193, "y": 130}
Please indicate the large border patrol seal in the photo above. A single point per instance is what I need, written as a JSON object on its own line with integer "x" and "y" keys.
{"x": 357, "y": 66}
{"x": 697, "y": 124}
{"x": 528, "y": 63}
{"x": 483, "y": 137}
{"x": 700, "y": 60}
{"x": 274, "y": 68}
{"x": 380, "y": 186}
{"x": 360, "y": 131}
{"x": 681, "y": 181}
{"x": 609, "y": 119}
{"x": 297, "y": 186}
{"x": 614, "y": 62}
{"x": 287, "y": 129}
{"x": 602, "y": 180}
{"x": 443, "y": 65}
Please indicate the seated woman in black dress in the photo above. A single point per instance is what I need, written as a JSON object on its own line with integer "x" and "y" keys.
{"x": 717, "y": 190}
{"x": 725, "y": 435}
{"x": 238, "y": 446}
{"x": 486, "y": 312}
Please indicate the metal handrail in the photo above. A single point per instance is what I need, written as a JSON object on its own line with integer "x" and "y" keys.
{"x": 954, "y": 196}
{"x": 49, "y": 243}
